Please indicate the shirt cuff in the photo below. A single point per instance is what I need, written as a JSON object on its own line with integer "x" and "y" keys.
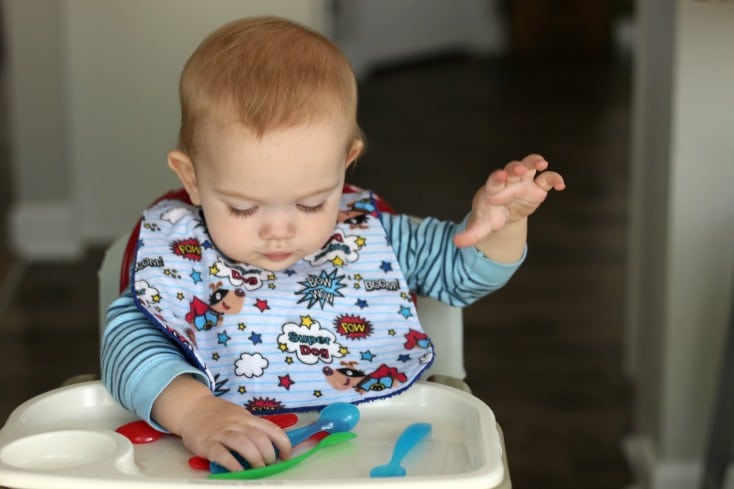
{"x": 493, "y": 271}
{"x": 154, "y": 380}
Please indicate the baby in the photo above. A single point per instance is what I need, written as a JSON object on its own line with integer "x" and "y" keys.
{"x": 272, "y": 289}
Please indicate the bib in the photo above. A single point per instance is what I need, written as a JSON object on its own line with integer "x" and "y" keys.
{"x": 337, "y": 326}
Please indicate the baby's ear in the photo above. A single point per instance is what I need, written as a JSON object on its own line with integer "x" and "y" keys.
{"x": 355, "y": 151}
{"x": 183, "y": 167}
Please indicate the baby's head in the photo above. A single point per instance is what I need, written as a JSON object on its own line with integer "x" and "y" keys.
{"x": 266, "y": 73}
{"x": 268, "y": 128}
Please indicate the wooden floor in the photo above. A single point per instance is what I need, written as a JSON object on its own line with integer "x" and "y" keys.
{"x": 545, "y": 352}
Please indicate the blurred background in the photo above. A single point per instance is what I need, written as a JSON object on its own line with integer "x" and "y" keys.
{"x": 599, "y": 358}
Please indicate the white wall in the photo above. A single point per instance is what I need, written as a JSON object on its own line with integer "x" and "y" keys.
{"x": 94, "y": 85}
{"x": 124, "y": 62}
{"x": 679, "y": 315}
{"x": 37, "y": 128}
{"x": 383, "y": 31}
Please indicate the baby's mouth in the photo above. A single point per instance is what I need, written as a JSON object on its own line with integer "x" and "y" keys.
{"x": 280, "y": 256}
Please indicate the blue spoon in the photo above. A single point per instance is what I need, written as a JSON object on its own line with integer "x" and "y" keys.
{"x": 334, "y": 418}
{"x": 409, "y": 438}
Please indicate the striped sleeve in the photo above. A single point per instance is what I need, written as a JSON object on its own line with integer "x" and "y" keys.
{"x": 434, "y": 267}
{"x": 138, "y": 360}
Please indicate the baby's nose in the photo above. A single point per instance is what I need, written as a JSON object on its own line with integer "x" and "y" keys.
{"x": 277, "y": 229}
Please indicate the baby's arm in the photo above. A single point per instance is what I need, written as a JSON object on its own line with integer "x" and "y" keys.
{"x": 210, "y": 427}
{"x": 497, "y": 225}
{"x": 138, "y": 360}
{"x": 434, "y": 267}
{"x": 144, "y": 371}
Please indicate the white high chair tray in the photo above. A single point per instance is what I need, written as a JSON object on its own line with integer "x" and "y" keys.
{"x": 66, "y": 438}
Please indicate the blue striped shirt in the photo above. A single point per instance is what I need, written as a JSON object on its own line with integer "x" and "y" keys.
{"x": 139, "y": 361}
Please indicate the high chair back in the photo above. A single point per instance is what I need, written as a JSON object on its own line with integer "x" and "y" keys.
{"x": 443, "y": 323}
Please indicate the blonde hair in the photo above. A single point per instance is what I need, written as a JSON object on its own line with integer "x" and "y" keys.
{"x": 268, "y": 73}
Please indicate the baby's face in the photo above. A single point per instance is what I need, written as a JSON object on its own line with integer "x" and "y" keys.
{"x": 269, "y": 202}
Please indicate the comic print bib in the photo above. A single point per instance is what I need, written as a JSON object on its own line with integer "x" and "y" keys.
{"x": 339, "y": 325}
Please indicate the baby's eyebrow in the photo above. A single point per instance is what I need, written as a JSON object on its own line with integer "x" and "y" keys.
{"x": 246, "y": 198}
{"x": 318, "y": 192}
{"x": 233, "y": 194}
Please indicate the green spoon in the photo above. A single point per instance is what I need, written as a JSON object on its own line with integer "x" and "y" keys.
{"x": 260, "y": 472}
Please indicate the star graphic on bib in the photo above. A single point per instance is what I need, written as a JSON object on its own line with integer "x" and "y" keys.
{"x": 261, "y": 304}
{"x": 223, "y": 338}
{"x": 405, "y": 312}
{"x": 285, "y": 381}
{"x": 367, "y": 355}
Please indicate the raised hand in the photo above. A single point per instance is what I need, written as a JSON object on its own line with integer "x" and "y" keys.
{"x": 509, "y": 195}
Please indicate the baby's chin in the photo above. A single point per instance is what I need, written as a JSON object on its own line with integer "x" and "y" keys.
{"x": 276, "y": 265}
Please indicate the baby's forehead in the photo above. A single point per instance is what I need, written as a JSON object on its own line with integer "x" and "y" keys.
{"x": 212, "y": 132}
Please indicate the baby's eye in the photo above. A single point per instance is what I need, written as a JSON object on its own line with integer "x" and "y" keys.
{"x": 310, "y": 208}
{"x": 241, "y": 212}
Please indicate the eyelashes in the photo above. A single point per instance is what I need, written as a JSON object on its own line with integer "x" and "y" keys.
{"x": 308, "y": 209}
{"x": 240, "y": 212}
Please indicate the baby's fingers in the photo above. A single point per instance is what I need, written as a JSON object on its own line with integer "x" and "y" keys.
{"x": 254, "y": 447}
{"x": 550, "y": 180}
{"x": 224, "y": 457}
{"x": 278, "y": 438}
{"x": 534, "y": 162}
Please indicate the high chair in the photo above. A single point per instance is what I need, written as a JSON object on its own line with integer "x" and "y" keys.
{"x": 70, "y": 428}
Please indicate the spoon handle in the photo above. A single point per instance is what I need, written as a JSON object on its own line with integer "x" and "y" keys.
{"x": 299, "y": 435}
{"x": 408, "y": 439}
{"x": 259, "y": 472}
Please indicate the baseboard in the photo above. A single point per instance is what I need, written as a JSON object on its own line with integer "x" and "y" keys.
{"x": 651, "y": 473}
{"x": 45, "y": 231}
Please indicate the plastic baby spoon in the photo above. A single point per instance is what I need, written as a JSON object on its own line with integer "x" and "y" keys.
{"x": 334, "y": 418}
{"x": 340, "y": 416}
{"x": 406, "y": 441}
{"x": 260, "y": 472}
